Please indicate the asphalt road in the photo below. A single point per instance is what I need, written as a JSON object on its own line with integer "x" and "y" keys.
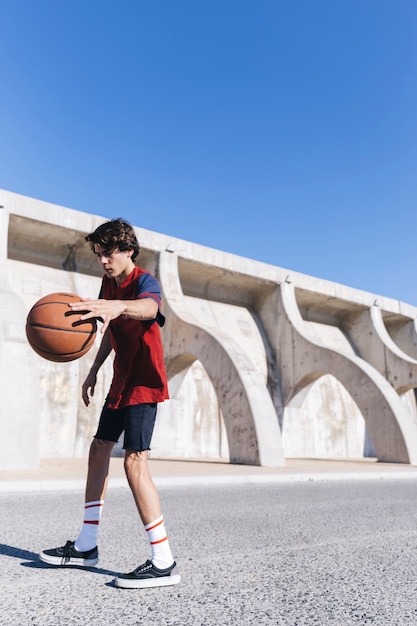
{"x": 317, "y": 553}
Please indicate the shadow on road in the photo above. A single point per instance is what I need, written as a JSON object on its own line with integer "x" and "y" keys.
{"x": 17, "y": 552}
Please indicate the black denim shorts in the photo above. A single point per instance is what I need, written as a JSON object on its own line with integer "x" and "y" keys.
{"x": 137, "y": 422}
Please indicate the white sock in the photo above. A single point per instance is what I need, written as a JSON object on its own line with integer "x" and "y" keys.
{"x": 161, "y": 552}
{"x": 87, "y": 539}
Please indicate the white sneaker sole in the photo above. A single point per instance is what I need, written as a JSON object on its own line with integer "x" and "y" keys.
{"x": 143, "y": 583}
{"x": 62, "y": 561}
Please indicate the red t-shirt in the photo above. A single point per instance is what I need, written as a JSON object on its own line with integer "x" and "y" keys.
{"x": 139, "y": 371}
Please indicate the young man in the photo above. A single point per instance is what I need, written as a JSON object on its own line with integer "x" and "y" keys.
{"x": 129, "y": 305}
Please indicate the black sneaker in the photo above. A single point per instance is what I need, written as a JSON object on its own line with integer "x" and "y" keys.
{"x": 147, "y": 575}
{"x": 68, "y": 555}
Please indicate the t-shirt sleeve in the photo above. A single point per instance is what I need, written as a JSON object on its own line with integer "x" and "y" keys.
{"x": 149, "y": 287}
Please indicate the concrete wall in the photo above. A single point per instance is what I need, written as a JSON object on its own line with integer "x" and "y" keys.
{"x": 263, "y": 363}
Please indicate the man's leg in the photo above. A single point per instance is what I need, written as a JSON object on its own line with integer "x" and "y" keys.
{"x": 98, "y": 469}
{"x": 95, "y": 491}
{"x": 161, "y": 570}
{"x": 142, "y": 486}
{"x": 83, "y": 551}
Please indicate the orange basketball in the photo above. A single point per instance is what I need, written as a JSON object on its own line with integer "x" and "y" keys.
{"x": 56, "y": 332}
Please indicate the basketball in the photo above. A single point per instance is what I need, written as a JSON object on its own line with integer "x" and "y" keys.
{"x": 55, "y": 332}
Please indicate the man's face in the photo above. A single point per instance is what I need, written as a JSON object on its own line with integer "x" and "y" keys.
{"x": 115, "y": 264}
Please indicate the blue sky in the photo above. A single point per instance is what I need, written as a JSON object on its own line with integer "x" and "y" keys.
{"x": 284, "y": 131}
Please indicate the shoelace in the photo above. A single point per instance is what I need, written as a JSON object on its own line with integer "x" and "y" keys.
{"x": 144, "y": 568}
{"x": 66, "y": 552}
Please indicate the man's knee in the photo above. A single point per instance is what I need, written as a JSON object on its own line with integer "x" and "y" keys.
{"x": 100, "y": 448}
{"x": 136, "y": 462}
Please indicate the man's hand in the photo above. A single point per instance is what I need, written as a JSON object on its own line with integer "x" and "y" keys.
{"x": 87, "y": 389}
{"x": 107, "y": 310}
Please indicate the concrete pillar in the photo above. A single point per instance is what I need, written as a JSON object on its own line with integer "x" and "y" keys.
{"x": 19, "y": 374}
{"x": 251, "y": 422}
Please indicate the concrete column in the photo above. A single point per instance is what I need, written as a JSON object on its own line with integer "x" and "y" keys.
{"x": 19, "y": 374}
{"x": 251, "y": 422}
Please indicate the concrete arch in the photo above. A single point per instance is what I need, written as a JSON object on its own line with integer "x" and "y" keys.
{"x": 191, "y": 424}
{"x": 368, "y": 333}
{"x": 403, "y": 331}
{"x": 179, "y": 363}
{"x": 393, "y": 432}
{"x": 251, "y": 422}
{"x": 308, "y": 431}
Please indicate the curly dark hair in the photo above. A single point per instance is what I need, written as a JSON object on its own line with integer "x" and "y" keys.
{"x": 116, "y": 233}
